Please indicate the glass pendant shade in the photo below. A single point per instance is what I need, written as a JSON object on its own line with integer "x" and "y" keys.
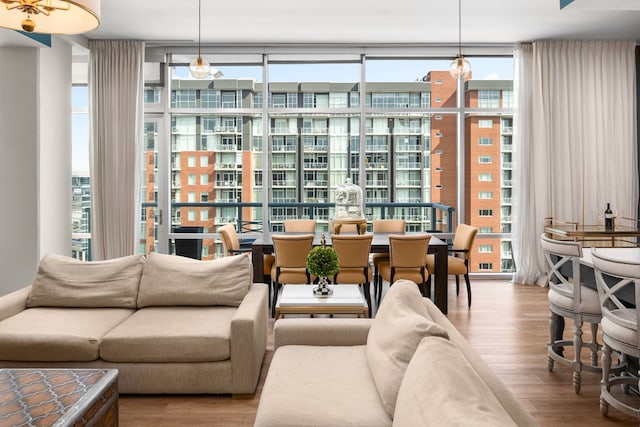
{"x": 200, "y": 68}
{"x": 459, "y": 68}
{"x": 50, "y": 16}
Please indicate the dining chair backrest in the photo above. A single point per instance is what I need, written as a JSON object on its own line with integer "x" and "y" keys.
{"x": 408, "y": 250}
{"x": 353, "y": 250}
{"x": 463, "y": 240}
{"x": 614, "y": 277}
{"x": 291, "y": 250}
{"x": 229, "y": 238}
{"x": 558, "y": 253}
{"x": 300, "y": 225}
{"x": 389, "y": 225}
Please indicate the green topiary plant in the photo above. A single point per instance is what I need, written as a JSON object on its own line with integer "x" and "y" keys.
{"x": 322, "y": 261}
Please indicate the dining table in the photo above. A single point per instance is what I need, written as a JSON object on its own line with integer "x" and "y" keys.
{"x": 263, "y": 244}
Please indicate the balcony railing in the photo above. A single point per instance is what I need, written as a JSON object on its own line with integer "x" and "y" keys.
{"x": 438, "y": 216}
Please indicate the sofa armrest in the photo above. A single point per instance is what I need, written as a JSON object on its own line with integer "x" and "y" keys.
{"x": 13, "y": 303}
{"x": 322, "y": 332}
{"x": 249, "y": 339}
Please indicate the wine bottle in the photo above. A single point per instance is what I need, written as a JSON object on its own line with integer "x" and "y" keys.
{"x": 608, "y": 218}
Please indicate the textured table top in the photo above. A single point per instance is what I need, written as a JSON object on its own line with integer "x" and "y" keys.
{"x": 51, "y": 397}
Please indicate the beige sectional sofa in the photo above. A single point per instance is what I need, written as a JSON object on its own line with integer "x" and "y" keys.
{"x": 407, "y": 367}
{"x": 169, "y": 324}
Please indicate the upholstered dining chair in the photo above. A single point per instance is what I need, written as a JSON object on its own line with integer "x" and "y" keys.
{"x": 300, "y": 225}
{"x": 458, "y": 261}
{"x": 290, "y": 266}
{"x": 406, "y": 260}
{"x": 383, "y": 226}
{"x": 231, "y": 245}
{"x": 353, "y": 261}
{"x": 618, "y": 281}
{"x": 570, "y": 298}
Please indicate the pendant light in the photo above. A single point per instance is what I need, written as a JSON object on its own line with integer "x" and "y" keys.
{"x": 460, "y": 67}
{"x": 199, "y": 67}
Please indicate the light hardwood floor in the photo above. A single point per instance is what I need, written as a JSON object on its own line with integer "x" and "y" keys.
{"x": 507, "y": 324}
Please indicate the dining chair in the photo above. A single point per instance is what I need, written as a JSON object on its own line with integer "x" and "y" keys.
{"x": 620, "y": 329}
{"x": 570, "y": 298}
{"x": 231, "y": 245}
{"x": 458, "y": 261}
{"x": 384, "y": 226}
{"x": 300, "y": 225}
{"x": 290, "y": 266}
{"x": 406, "y": 260}
{"x": 353, "y": 261}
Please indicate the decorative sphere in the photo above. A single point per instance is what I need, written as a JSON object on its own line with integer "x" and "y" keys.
{"x": 28, "y": 25}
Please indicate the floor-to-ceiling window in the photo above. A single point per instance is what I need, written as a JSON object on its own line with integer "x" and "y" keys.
{"x": 274, "y": 136}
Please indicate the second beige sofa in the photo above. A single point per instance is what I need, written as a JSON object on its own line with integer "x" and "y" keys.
{"x": 407, "y": 367}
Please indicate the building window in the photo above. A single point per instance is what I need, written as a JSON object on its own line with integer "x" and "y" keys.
{"x": 438, "y": 117}
{"x": 438, "y": 186}
{"x": 437, "y": 100}
{"x": 191, "y": 161}
{"x": 437, "y": 152}
{"x": 488, "y": 99}
{"x": 485, "y": 266}
{"x": 485, "y": 212}
{"x": 485, "y": 177}
{"x": 191, "y": 215}
{"x": 484, "y": 195}
{"x": 192, "y": 179}
{"x": 507, "y": 99}
{"x": 485, "y": 230}
{"x": 438, "y": 169}
{"x": 204, "y": 161}
{"x": 485, "y": 159}
{"x": 485, "y": 124}
{"x": 485, "y": 141}
{"x": 204, "y": 197}
{"x": 485, "y": 249}
{"x": 204, "y": 215}
{"x": 191, "y": 197}
{"x": 204, "y": 179}
{"x": 439, "y": 134}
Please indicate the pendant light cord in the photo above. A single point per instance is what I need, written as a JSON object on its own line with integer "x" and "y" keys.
{"x": 460, "y": 28}
{"x": 199, "y": 24}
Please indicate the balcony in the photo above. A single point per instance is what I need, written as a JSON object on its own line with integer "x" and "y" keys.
{"x": 379, "y": 148}
{"x": 507, "y": 165}
{"x": 316, "y": 148}
{"x": 316, "y": 165}
{"x": 284, "y": 183}
{"x": 283, "y": 148}
{"x": 377, "y": 183}
{"x": 226, "y": 184}
{"x": 409, "y": 183}
{"x": 507, "y": 182}
{"x": 314, "y": 131}
{"x": 319, "y": 184}
{"x": 508, "y": 148}
{"x": 283, "y": 131}
{"x": 225, "y": 147}
{"x": 403, "y": 148}
{"x": 409, "y": 165}
{"x": 507, "y": 130}
{"x": 226, "y": 166}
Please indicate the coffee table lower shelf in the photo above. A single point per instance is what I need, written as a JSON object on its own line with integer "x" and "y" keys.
{"x": 299, "y": 299}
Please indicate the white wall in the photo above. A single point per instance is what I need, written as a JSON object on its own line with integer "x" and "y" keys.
{"x": 54, "y": 180}
{"x": 35, "y": 170}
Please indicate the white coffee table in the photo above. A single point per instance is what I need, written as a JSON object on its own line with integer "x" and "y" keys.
{"x": 299, "y": 299}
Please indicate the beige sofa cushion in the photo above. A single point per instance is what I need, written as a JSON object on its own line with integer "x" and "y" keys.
{"x": 169, "y": 280}
{"x": 66, "y": 282}
{"x": 171, "y": 334}
{"x": 440, "y": 388}
{"x": 57, "y": 334}
{"x": 320, "y": 386}
{"x": 399, "y": 326}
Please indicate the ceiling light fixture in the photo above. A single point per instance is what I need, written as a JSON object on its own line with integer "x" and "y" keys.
{"x": 51, "y": 16}
{"x": 199, "y": 68}
{"x": 460, "y": 67}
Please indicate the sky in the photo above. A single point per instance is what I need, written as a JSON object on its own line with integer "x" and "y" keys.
{"x": 377, "y": 71}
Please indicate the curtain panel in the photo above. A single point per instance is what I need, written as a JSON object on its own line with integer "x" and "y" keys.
{"x": 575, "y": 140}
{"x": 115, "y": 116}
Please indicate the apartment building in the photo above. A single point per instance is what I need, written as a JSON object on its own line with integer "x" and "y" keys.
{"x": 216, "y": 161}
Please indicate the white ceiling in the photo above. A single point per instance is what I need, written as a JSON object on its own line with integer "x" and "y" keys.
{"x": 362, "y": 22}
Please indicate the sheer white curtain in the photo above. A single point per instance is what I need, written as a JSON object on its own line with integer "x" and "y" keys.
{"x": 575, "y": 139}
{"x": 115, "y": 110}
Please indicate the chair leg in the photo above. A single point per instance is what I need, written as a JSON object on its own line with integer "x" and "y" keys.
{"x": 466, "y": 279}
{"x": 577, "y": 364}
{"x": 594, "y": 344}
{"x": 276, "y": 286}
{"x": 366, "y": 287}
{"x": 604, "y": 383}
{"x": 457, "y": 285}
{"x": 553, "y": 332}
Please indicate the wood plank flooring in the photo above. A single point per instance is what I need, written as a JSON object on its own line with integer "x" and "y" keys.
{"x": 508, "y": 326}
